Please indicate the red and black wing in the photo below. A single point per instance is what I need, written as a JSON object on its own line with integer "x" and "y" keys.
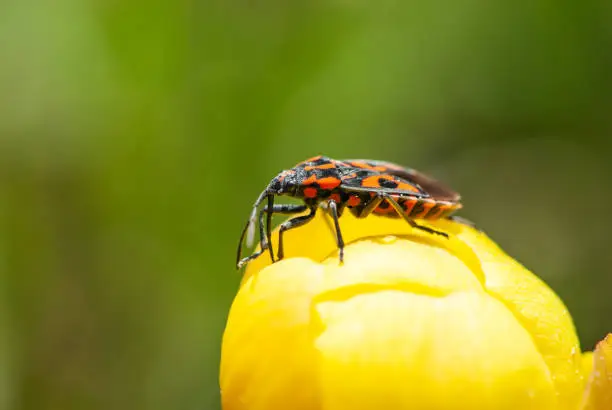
{"x": 359, "y": 179}
{"x": 432, "y": 187}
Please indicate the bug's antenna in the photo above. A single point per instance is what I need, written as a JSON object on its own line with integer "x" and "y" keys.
{"x": 249, "y": 228}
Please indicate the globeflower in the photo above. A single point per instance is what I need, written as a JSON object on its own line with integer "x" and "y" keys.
{"x": 410, "y": 320}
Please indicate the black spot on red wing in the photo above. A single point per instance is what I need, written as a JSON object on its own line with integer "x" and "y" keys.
{"x": 387, "y": 183}
{"x": 433, "y": 187}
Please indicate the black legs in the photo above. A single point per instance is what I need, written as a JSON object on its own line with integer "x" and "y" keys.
{"x": 290, "y": 224}
{"x": 264, "y": 240}
{"x": 335, "y": 210}
{"x": 375, "y": 201}
{"x": 410, "y": 221}
{"x": 289, "y": 209}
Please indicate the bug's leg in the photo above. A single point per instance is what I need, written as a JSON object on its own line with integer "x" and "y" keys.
{"x": 285, "y": 209}
{"x": 269, "y": 226}
{"x": 412, "y": 223}
{"x": 370, "y": 206}
{"x": 340, "y": 207}
{"x": 335, "y": 211}
{"x": 239, "y": 262}
{"x": 290, "y": 224}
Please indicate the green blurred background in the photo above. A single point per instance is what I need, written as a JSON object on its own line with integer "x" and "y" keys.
{"x": 134, "y": 136}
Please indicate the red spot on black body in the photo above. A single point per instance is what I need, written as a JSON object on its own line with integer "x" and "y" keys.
{"x": 310, "y": 192}
{"x": 328, "y": 182}
{"x": 354, "y": 200}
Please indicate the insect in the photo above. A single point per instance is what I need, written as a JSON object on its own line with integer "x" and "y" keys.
{"x": 362, "y": 186}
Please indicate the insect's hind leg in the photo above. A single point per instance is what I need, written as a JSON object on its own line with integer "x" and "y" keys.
{"x": 284, "y": 209}
{"x": 369, "y": 207}
{"x": 293, "y": 223}
{"x": 412, "y": 223}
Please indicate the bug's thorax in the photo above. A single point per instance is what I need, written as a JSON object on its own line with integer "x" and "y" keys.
{"x": 312, "y": 184}
{"x": 284, "y": 183}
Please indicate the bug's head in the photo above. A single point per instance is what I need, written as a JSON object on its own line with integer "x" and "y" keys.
{"x": 284, "y": 183}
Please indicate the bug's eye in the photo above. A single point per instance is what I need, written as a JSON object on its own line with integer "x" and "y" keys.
{"x": 280, "y": 184}
{"x": 275, "y": 185}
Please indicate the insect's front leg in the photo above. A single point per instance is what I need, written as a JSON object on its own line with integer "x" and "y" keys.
{"x": 284, "y": 209}
{"x": 293, "y": 223}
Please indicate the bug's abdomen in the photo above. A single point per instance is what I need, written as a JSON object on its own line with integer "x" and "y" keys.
{"x": 417, "y": 208}
{"x": 433, "y": 209}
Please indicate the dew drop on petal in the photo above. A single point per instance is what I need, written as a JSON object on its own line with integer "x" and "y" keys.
{"x": 389, "y": 239}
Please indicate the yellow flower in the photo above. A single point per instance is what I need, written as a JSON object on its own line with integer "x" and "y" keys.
{"x": 410, "y": 321}
{"x": 598, "y": 366}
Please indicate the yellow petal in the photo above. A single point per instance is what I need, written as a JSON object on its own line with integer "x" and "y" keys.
{"x": 267, "y": 355}
{"x": 538, "y": 309}
{"x": 411, "y": 319}
{"x": 587, "y": 364}
{"x": 598, "y": 395}
{"x": 461, "y": 351}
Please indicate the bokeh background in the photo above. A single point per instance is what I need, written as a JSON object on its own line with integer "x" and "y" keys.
{"x": 134, "y": 136}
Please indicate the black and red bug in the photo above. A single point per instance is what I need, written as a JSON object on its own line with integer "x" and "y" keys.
{"x": 363, "y": 186}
